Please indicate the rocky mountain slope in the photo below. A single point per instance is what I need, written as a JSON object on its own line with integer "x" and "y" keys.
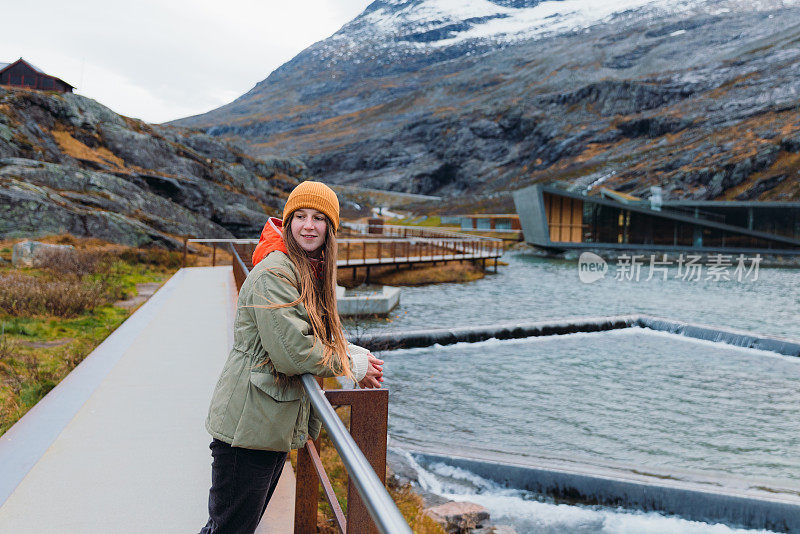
{"x": 483, "y": 97}
{"x": 69, "y": 164}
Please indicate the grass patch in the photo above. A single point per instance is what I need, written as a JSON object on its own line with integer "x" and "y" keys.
{"x": 29, "y": 368}
{"x": 425, "y": 220}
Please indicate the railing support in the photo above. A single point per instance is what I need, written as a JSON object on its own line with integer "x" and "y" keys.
{"x": 306, "y": 494}
{"x": 369, "y": 413}
{"x": 367, "y": 470}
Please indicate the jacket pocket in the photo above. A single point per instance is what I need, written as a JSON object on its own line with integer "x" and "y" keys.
{"x": 266, "y": 382}
{"x": 269, "y": 415}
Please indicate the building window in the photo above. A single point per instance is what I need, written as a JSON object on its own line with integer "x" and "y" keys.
{"x": 502, "y": 224}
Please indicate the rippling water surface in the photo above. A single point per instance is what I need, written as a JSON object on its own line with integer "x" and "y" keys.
{"x": 533, "y": 288}
{"x": 645, "y": 400}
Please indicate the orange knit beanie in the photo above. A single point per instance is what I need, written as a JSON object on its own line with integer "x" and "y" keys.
{"x": 314, "y": 195}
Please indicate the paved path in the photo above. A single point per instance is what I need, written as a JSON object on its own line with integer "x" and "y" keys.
{"x": 119, "y": 446}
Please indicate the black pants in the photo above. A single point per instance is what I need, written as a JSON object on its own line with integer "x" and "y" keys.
{"x": 242, "y": 483}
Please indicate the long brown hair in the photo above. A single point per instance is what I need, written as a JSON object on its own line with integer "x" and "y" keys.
{"x": 318, "y": 295}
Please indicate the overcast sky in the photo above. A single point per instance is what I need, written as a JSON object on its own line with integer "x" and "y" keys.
{"x": 158, "y": 60}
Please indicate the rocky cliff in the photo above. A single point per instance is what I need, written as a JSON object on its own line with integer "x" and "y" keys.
{"x": 69, "y": 164}
{"x": 483, "y": 97}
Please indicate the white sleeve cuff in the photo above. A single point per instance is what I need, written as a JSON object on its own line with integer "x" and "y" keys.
{"x": 359, "y": 361}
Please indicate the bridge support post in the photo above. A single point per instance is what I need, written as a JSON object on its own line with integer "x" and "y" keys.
{"x": 369, "y": 415}
{"x": 306, "y": 493}
{"x": 185, "y": 249}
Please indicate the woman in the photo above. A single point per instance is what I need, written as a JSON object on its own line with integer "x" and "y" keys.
{"x": 286, "y": 325}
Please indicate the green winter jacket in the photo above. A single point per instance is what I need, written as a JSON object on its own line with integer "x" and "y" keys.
{"x": 259, "y": 401}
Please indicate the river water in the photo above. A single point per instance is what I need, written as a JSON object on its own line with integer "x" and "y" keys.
{"x": 532, "y": 288}
{"x": 631, "y": 400}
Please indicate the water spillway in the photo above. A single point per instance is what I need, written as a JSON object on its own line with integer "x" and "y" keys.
{"x": 467, "y": 334}
{"x": 786, "y": 347}
{"x": 685, "y": 500}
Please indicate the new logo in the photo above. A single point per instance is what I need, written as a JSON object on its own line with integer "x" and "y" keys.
{"x": 591, "y": 267}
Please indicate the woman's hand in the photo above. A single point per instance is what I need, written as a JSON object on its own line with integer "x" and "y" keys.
{"x": 374, "y": 375}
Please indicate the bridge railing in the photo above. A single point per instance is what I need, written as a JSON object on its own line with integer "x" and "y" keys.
{"x": 370, "y": 509}
{"x": 357, "y": 250}
{"x": 405, "y": 232}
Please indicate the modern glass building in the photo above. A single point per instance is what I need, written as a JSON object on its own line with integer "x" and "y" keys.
{"x": 556, "y": 219}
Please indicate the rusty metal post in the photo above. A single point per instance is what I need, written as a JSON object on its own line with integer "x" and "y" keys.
{"x": 185, "y": 249}
{"x": 369, "y": 416}
{"x": 306, "y": 494}
{"x": 214, "y": 255}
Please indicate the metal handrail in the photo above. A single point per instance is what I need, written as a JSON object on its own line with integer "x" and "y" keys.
{"x": 379, "y": 504}
{"x": 237, "y": 241}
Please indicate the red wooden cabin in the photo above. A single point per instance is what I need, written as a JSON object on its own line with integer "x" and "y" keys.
{"x": 23, "y": 74}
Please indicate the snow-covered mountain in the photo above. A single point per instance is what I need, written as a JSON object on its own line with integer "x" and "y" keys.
{"x": 440, "y": 23}
{"x": 484, "y": 96}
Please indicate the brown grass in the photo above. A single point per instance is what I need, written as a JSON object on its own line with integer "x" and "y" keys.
{"x": 73, "y": 262}
{"x": 462, "y": 271}
{"x": 26, "y": 296}
{"x": 78, "y": 150}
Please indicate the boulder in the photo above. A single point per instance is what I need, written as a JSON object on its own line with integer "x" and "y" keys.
{"x": 791, "y": 143}
{"x": 458, "y": 517}
{"x": 30, "y": 253}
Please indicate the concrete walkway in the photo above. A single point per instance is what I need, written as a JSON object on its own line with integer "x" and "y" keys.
{"x": 119, "y": 446}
